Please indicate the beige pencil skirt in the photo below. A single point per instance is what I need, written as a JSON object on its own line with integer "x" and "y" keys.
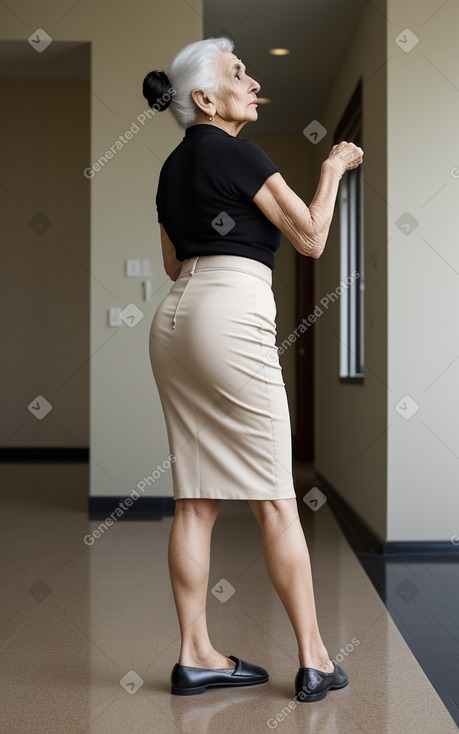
{"x": 216, "y": 367}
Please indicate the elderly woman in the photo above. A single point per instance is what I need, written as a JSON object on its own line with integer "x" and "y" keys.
{"x": 222, "y": 206}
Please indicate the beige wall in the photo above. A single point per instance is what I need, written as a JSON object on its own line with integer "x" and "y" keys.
{"x": 44, "y": 274}
{"x": 398, "y": 473}
{"x": 351, "y": 425}
{"x": 127, "y": 432}
{"x": 423, "y": 269}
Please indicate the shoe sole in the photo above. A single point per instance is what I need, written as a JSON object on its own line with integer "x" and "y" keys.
{"x": 311, "y": 697}
{"x": 202, "y": 689}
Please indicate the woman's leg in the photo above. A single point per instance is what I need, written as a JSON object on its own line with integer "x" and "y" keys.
{"x": 189, "y": 562}
{"x": 287, "y": 562}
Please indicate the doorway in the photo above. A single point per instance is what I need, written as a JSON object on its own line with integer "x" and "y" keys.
{"x": 45, "y": 250}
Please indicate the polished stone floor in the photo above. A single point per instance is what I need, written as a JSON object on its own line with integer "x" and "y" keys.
{"x": 422, "y": 596}
{"x": 89, "y": 635}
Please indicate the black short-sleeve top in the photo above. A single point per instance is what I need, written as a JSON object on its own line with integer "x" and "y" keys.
{"x": 205, "y": 192}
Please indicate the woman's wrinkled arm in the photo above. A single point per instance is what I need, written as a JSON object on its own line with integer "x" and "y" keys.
{"x": 172, "y": 266}
{"x": 307, "y": 228}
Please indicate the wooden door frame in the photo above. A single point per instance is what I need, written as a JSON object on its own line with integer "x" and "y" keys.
{"x": 303, "y": 446}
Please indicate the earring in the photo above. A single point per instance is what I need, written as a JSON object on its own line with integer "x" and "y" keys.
{"x": 210, "y": 118}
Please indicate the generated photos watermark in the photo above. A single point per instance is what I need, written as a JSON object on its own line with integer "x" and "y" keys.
{"x": 128, "y": 135}
{"x": 131, "y": 682}
{"x": 223, "y": 590}
{"x": 312, "y": 318}
{"x": 314, "y": 499}
{"x": 129, "y": 501}
{"x": 274, "y": 721}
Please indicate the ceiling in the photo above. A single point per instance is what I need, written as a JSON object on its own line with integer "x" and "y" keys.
{"x": 316, "y": 31}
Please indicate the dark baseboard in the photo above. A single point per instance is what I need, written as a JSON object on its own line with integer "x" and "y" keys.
{"x": 143, "y": 508}
{"x": 363, "y": 539}
{"x": 360, "y": 536}
{"x": 22, "y": 454}
{"x": 422, "y": 548}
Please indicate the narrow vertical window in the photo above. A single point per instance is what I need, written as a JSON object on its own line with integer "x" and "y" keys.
{"x": 352, "y": 275}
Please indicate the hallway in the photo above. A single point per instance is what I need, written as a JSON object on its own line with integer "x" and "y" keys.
{"x": 77, "y": 619}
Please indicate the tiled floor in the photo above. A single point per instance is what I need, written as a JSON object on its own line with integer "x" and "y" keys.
{"x": 422, "y": 596}
{"x": 76, "y": 620}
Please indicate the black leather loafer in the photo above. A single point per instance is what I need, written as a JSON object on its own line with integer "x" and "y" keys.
{"x": 186, "y": 681}
{"x": 313, "y": 685}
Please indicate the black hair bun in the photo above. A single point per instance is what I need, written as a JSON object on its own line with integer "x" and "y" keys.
{"x": 157, "y": 89}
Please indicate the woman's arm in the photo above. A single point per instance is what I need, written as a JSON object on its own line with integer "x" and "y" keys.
{"x": 307, "y": 228}
{"x": 172, "y": 266}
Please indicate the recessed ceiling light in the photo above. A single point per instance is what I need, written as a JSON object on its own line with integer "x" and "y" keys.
{"x": 263, "y": 100}
{"x": 279, "y": 51}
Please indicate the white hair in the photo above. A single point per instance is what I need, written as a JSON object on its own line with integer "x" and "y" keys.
{"x": 195, "y": 67}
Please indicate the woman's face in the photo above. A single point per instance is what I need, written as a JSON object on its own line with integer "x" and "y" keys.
{"x": 235, "y": 101}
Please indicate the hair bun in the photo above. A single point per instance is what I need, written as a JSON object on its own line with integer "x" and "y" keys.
{"x": 157, "y": 88}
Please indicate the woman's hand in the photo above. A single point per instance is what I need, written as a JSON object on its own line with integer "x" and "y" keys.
{"x": 345, "y": 156}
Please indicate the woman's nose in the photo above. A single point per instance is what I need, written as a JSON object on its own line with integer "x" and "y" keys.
{"x": 254, "y": 86}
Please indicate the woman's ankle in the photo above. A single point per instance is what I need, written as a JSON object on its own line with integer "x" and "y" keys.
{"x": 196, "y": 652}
{"x": 208, "y": 659}
{"x": 317, "y": 659}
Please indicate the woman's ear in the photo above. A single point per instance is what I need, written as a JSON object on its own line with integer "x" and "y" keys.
{"x": 203, "y": 102}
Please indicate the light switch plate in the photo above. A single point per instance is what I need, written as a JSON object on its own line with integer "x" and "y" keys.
{"x": 146, "y": 267}
{"x": 114, "y": 318}
{"x": 132, "y": 267}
